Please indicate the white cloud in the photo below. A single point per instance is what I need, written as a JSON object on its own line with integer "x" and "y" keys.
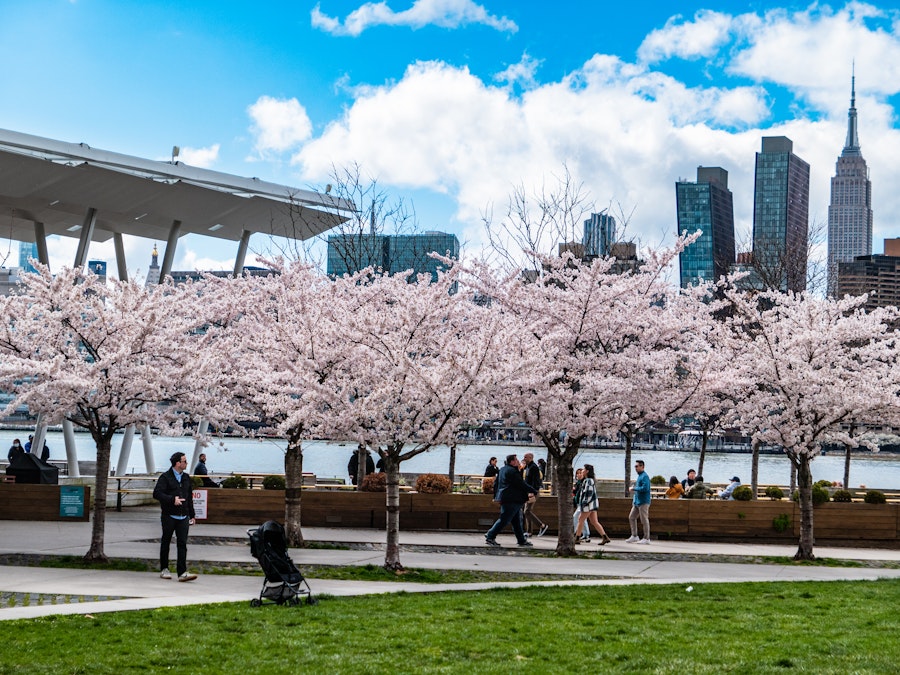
{"x": 810, "y": 52}
{"x": 443, "y": 13}
{"x": 279, "y": 125}
{"x": 701, "y": 37}
{"x": 626, "y": 130}
{"x": 202, "y": 157}
{"x": 521, "y": 73}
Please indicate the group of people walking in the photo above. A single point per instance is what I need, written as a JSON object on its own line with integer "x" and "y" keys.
{"x": 517, "y": 486}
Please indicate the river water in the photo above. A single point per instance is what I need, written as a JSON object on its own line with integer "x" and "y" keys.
{"x": 236, "y": 455}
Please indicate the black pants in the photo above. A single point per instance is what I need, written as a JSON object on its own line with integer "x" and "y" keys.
{"x": 180, "y": 528}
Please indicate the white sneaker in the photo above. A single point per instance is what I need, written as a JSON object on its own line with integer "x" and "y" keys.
{"x": 644, "y": 541}
{"x": 632, "y": 540}
{"x": 187, "y": 577}
{"x": 165, "y": 574}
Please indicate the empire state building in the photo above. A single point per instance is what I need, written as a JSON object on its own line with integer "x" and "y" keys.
{"x": 850, "y": 211}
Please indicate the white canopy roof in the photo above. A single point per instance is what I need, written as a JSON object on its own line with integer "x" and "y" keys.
{"x": 55, "y": 183}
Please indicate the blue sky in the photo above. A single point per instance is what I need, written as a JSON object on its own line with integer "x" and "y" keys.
{"x": 451, "y": 103}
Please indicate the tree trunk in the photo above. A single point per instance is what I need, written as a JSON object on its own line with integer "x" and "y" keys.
{"x": 452, "y": 471}
{"x": 293, "y": 479}
{"x": 392, "y": 469}
{"x": 754, "y": 469}
{"x": 704, "y": 439}
{"x": 98, "y": 526}
{"x": 361, "y": 456}
{"x": 562, "y": 481}
{"x": 628, "y": 439}
{"x": 846, "y": 467}
{"x": 793, "y": 486}
{"x": 804, "y": 479}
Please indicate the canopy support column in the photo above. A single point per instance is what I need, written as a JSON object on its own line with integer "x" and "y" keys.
{"x": 40, "y": 238}
{"x": 71, "y": 451}
{"x": 120, "y": 260}
{"x": 171, "y": 245}
{"x": 202, "y": 428}
{"x": 84, "y": 240}
{"x": 125, "y": 451}
{"x": 241, "y": 254}
{"x": 147, "y": 440}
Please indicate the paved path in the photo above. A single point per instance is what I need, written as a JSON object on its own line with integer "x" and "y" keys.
{"x": 134, "y": 534}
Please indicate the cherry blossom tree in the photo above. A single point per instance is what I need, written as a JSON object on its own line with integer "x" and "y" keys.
{"x": 278, "y": 337}
{"x": 105, "y": 356}
{"x": 421, "y": 361}
{"x": 580, "y": 332}
{"x": 811, "y": 366}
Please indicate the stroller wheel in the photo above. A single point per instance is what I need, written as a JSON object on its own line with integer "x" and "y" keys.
{"x": 255, "y": 602}
{"x": 293, "y": 602}
{"x": 310, "y": 600}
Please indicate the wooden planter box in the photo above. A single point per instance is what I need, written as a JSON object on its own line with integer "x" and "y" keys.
{"x": 22, "y": 501}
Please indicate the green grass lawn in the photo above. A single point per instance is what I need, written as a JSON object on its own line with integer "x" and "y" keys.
{"x": 811, "y": 627}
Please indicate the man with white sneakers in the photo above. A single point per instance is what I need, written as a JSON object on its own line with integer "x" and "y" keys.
{"x": 640, "y": 506}
{"x": 174, "y": 493}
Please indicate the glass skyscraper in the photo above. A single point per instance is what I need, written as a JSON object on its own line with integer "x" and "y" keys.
{"x": 27, "y": 251}
{"x": 349, "y": 253}
{"x": 781, "y": 215}
{"x": 850, "y": 211}
{"x": 706, "y": 205}
{"x": 599, "y": 235}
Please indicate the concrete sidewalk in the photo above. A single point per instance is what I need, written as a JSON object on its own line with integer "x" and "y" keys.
{"x": 134, "y": 533}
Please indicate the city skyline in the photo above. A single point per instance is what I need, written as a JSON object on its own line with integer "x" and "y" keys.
{"x": 453, "y": 104}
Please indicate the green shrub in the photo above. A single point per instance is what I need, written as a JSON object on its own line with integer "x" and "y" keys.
{"x": 774, "y": 493}
{"x": 819, "y": 495}
{"x": 822, "y": 483}
{"x": 235, "y": 482}
{"x": 875, "y": 497}
{"x": 487, "y": 486}
{"x": 374, "y": 482}
{"x": 433, "y": 483}
{"x": 273, "y": 483}
{"x": 659, "y": 480}
{"x": 842, "y": 496}
{"x": 781, "y": 522}
{"x": 742, "y": 493}
{"x": 196, "y": 482}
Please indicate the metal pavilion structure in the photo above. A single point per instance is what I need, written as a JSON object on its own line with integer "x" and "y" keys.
{"x": 50, "y": 187}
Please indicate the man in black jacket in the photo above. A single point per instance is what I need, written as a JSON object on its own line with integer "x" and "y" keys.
{"x": 174, "y": 493}
{"x": 512, "y": 492}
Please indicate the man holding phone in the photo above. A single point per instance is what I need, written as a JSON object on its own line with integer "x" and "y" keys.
{"x": 174, "y": 493}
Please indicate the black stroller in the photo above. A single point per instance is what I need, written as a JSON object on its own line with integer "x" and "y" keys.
{"x": 283, "y": 583}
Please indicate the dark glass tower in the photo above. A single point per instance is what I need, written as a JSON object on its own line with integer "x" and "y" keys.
{"x": 781, "y": 215}
{"x": 349, "y": 253}
{"x": 707, "y": 206}
{"x": 599, "y": 235}
{"x": 850, "y": 212}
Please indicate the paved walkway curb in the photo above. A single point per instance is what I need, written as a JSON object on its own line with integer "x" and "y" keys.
{"x": 134, "y": 534}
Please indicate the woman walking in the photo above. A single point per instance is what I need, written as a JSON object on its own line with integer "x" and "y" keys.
{"x": 590, "y": 505}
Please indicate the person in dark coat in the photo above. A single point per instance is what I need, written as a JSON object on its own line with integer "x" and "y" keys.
{"x": 174, "y": 493}
{"x": 531, "y": 474}
{"x": 203, "y": 472}
{"x": 491, "y": 470}
{"x": 353, "y": 465}
{"x": 512, "y": 492}
{"x": 45, "y": 452}
{"x": 15, "y": 451}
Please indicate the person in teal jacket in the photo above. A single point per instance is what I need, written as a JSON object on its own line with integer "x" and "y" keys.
{"x": 640, "y": 505}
